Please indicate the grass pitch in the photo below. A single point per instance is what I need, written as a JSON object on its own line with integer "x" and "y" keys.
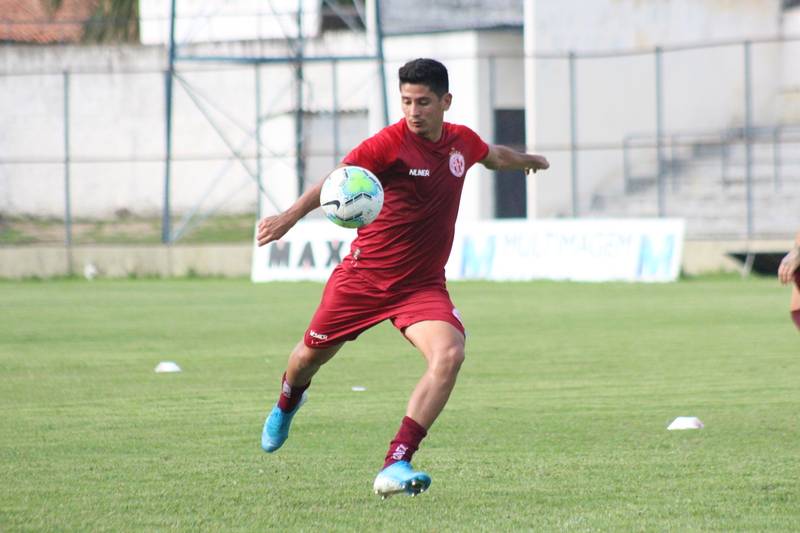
{"x": 558, "y": 422}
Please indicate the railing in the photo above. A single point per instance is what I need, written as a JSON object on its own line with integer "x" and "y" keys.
{"x": 731, "y": 149}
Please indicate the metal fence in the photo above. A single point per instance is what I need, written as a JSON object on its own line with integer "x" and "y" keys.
{"x": 709, "y": 132}
{"x": 95, "y": 151}
{"x": 697, "y": 131}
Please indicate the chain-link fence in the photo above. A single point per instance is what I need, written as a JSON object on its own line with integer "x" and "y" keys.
{"x": 710, "y": 133}
{"x": 87, "y": 153}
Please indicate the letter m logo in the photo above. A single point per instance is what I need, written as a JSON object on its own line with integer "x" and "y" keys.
{"x": 655, "y": 264}
{"x": 279, "y": 254}
{"x": 475, "y": 263}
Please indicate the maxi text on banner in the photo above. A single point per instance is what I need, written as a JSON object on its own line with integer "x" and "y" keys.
{"x": 568, "y": 249}
{"x": 513, "y": 250}
{"x": 309, "y": 251}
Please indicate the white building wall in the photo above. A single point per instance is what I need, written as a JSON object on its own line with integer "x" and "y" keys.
{"x": 117, "y": 129}
{"x": 117, "y": 103}
{"x": 789, "y": 93}
{"x": 471, "y": 58}
{"x": 703, "y": 89}
{"x": 609, "y": 25}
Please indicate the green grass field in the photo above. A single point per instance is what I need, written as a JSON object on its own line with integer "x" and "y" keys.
{"x": 558, "y": 422}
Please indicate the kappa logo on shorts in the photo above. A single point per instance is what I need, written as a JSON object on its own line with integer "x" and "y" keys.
{"x": 319, "y": 336}
{"x": 457, "y": 164}
{"x": 458, "y": 316}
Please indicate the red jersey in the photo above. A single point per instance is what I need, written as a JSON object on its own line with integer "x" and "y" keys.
{"x": 409, "y": 243}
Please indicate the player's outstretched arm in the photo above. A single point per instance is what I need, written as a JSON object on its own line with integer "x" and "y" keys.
{"x": 274, "y": 227}
{"x": 504, "y": 158}
{"x": 790, "y": 263}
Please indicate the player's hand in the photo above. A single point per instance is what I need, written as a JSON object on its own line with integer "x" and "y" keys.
{"x": 789, "y": 265}
{"x": 538, "y": 163}
{"x": 272, "y": 228}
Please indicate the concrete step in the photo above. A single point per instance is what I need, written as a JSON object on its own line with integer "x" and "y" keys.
{"x": 715, "y": 189}
{"x": 708, "y": 214}
{"x": 707, "y": 181}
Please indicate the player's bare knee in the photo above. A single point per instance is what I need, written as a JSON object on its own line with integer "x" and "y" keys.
{"x": 448, "y": 361}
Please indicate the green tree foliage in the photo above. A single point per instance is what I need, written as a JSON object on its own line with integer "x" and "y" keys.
{"x": 113, "y": 21}
{"x": 52, "y": 5}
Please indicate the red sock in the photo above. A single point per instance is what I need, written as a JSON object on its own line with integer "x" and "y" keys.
{"x": 406, "y": 442}
{"x": 796, "y": 317}
{"x": 290, "y": 396}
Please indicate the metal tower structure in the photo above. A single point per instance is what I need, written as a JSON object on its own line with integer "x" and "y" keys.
{"x": 298, "y": 44}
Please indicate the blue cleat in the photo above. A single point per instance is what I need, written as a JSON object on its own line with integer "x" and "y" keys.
{"x": 400, "y": 478}
{"x": 276, "y": 428}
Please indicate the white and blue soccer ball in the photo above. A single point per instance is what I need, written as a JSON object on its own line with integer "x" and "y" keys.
{"x": 351, "y": 197}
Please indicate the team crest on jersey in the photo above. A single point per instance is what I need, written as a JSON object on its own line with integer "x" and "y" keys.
{"x": 457, "y": 164}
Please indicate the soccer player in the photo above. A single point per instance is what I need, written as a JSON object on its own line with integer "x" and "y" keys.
{"x": 395, "y": 268}
{"x": 787, "y": 272}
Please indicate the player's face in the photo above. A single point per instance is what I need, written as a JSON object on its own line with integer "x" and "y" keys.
{"x": 424, "y": 111}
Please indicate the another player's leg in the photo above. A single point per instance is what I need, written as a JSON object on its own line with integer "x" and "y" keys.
{"x": 795, "y": 305}
{"x": 789, "y": 272}
{"x": 303, "y": 363}
{"x": 442, "y": 344}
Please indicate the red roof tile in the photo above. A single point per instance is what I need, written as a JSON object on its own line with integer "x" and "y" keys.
{"x": 32, "y": 21}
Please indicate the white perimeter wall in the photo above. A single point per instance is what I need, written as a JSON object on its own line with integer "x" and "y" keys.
{"x": 703, "y": 89}
{"x": 116, "y": 129}
{"x": 117, "y": 105}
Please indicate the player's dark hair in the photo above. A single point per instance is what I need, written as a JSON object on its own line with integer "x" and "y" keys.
{"x": 428, "y": 72}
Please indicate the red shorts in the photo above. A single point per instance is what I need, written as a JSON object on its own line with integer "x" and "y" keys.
{"x": 351, "y": 306}
{"x": 797, "y": 278}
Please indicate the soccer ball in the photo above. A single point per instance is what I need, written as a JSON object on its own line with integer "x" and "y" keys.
{"x": 351, "y": 197}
